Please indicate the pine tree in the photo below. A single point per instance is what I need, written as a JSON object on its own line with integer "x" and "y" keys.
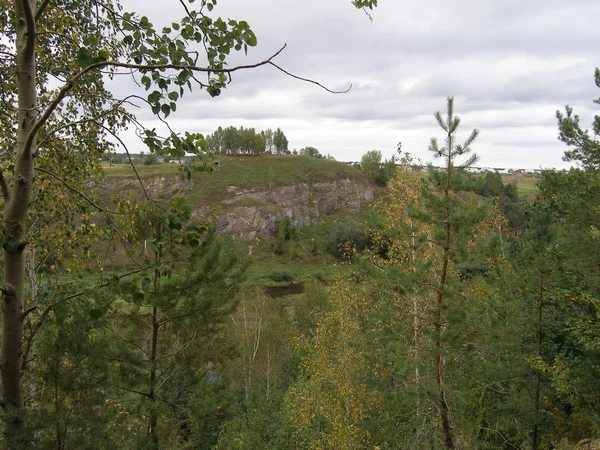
{"x": 449, "y": 221}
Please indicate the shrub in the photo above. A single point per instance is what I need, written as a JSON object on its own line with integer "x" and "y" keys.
{"x": 348, "y": 238}
{"x": 284, "y": 231}
{"x": 281, "y": 275}
{"x": 150, "y": 159}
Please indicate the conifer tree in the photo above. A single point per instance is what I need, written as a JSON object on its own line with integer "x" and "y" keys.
{"x": 164, "y": 328}
{"x": 449, "y": 221}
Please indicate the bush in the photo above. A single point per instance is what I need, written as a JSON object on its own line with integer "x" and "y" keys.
{"x": 284, "y": 231}
{"x": 348, "y": 238}
{"x": 150, "y": 159}
{"x": 281, "y": 275}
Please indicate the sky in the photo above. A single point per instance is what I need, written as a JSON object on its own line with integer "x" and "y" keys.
{"x": 509, "y": 65}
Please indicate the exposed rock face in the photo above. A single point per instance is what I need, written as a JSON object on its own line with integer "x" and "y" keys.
{"x": 253, "y": 213}
{"x": 304, "y": 203}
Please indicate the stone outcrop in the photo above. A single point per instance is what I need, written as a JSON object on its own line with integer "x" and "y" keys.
{"x": 251, "y": 213}
{"x": 255, "y": 213}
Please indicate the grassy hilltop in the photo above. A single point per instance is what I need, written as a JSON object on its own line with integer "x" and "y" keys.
{"x": 245, "y": 173}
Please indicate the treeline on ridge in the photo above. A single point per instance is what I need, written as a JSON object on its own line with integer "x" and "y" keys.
{"x": 247, "y": 141}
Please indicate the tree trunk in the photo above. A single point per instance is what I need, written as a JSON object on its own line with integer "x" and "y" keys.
{"x": 538, "y": 372}
{"x": 15, "y": 213}
{"x": 152, "y": 388}
{"x": 439, "y": 376}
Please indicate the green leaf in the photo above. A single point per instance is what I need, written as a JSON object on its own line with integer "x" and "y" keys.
{"x": 146, "y": 81}
{"x": 154, "y": 97}
{"x": 103, "y": 55}
{"x": 126, "y": 286}
{"x": 213, "y": 91}
{"x": 166, "y": 109}
{"x": 251, "y": 39}
{"x": 174, "y": 223}
{"x": 84, "y": 57}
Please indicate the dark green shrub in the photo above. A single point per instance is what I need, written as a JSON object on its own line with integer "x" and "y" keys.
{"x": 284, "y": 231}
{"x": 281, "y": 275}
{"x": 348, "y": 238}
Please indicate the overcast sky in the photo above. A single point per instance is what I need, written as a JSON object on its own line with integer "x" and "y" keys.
{"x": 509, "y": 64}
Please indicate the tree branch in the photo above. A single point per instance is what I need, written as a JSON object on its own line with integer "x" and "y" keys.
{"x": 41, "y": 9}
{"x": 305, "y": 79}
{"x": 29, "y": 310}
{"x": 30, "y": 20}
{"x": 124, "y": 339}
{"x": 81, "y": 194}
{"x": 137, "y": 175}
{"x": 49, "y": 309}
{"x": 82, "y": 121}
{"x": 149, "y": 67}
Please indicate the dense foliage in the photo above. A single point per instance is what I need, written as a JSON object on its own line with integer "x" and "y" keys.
{"x": 454, "y": 314}
{"x": 246, "y": 141}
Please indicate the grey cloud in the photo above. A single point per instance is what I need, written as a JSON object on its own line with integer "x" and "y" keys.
{"x": 509, "y": 63}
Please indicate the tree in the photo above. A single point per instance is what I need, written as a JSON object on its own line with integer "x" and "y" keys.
{"x": 311, "y": 152}
{"x": 280, "y": 142}
{"x": 376, "y": 169}
{"x": 586, "y": 149}
{"x": 172, "y": 311}
{"x": 371, "y": 163}
{"x": 444, "y": 215}
{"x": 81, "y": 47}
{"x": 268, "y": 137}
{"x": 331, "y": 403}
{"x": 214, "y": 141}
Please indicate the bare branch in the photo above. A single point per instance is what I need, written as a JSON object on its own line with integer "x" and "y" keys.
{"x": 137, "y": 175}
{"x": 124, "y": 339}
{"x": 182, "y": 347}
{"x": 82, "y": 121}
{"x": 78, "y": 192}
{"x": 28, "y": 311}
{"x": 308, "y": 80}
{"x": 25, "y": 358}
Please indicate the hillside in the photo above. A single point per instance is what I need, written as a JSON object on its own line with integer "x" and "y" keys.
{"x": 248, "y": 194}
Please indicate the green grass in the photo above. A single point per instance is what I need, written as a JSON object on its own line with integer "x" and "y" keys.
{"x": 125, "y": 171}
{"x": 526, "y": 184}
{"x": 244, "y": 173}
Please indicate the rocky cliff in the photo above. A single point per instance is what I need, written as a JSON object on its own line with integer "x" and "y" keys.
{"x": 248, "y": 213}
{"x": 255, "y": 213}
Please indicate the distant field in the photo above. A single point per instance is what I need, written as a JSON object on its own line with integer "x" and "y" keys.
{"x": 526, "y": 184}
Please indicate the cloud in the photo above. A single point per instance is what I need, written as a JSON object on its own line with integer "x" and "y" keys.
{"x": 510, "y": 64}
